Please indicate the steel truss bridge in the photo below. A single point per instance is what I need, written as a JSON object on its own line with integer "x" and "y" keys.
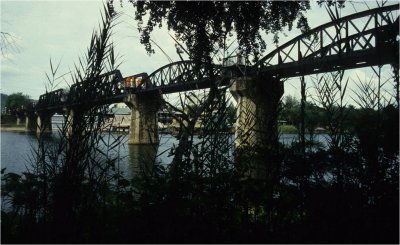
{"x": 363, "y": 39}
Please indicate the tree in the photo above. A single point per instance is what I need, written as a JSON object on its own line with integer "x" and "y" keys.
{"x": 17, "y": 101}
{"x": 203, "y": 26}
{"x": 290, "y": 110}
{"x": 8, "y": 44}
{"x": 3, "y": 98}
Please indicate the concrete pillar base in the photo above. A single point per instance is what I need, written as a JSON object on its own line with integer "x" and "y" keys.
{"x": 71, "y": 119}
{"x": 44, "y": 123}
{"x": 31, "y": 123}
{"x": 258, "y": 101}
{"x": 144, "y": 120}
{"x": 256, "y": 124}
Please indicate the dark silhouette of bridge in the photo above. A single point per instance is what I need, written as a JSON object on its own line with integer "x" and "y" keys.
{"x": 363, "y": 39}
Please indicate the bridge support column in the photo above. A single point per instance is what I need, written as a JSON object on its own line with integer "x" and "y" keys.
{"x": 44, "y": 123}
{"x": 31, "y": 123}
{"x": 71, "y": 120}
{"x": 144, "y": 120}
{"x": 256, "y": 124}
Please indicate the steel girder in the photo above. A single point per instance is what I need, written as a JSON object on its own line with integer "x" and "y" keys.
{"x": 362, "y": 39}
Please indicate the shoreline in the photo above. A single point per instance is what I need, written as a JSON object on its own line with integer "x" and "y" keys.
{"x": 23, "y": 130}
{"x": 12, "y": 129}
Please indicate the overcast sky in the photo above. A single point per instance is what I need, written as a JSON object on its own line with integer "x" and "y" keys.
{"x": 61, "y": 30}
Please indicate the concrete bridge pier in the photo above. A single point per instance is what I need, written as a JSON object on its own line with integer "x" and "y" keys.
{"x": 256, "y": 124}
{"x": 258, "y": 101}
{"x": 70, "y": 121}
{"x": 76, "y": 126}
{"x": 31, "y": 122}
{"x": 144, "y": 120}
{"x": 18, "y": 120}
{"x": 44, "y": 123}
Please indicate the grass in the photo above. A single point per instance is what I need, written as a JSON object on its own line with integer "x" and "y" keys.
{"x": 287, "y": 129}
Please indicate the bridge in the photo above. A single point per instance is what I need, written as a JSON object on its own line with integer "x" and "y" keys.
{"x": 363, "y": 39}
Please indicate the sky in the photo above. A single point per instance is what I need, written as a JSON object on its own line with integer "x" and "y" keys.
{"x": 61, "y": 31}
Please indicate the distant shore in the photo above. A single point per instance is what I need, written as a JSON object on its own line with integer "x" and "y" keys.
{"x": 285, "y": 129}
{"x": 12, "y": 129}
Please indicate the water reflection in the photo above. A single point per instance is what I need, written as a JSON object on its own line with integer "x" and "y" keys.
{"x": 141, "y": 158}
{"x": 16, "y": 151}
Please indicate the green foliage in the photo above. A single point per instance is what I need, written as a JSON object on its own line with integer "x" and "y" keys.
{"x": 3, "y": 98}
{"x": 314, "y": 116}
{"x": 204, "y": 197}
{"x": 8, "y": 120}
{"x": 76, "y": 176}
{"x": 287, "y": 129}
{"x": 210, "y": 193}
{"x": 338, "y": 3}
{"x": 18, "y": 101}
{"x": 204, "y": 26}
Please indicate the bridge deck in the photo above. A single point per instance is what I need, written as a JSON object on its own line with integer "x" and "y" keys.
{"x": 363, "y": 39}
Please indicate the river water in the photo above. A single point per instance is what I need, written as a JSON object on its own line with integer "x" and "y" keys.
{"x": 16, "y": 151}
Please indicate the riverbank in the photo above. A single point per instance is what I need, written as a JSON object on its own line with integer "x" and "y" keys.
{"x": 285, "y": 129}
{"x": 12, "y": 129}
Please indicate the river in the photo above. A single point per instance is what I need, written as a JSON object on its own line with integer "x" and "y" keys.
{"x": 16, "y": 151}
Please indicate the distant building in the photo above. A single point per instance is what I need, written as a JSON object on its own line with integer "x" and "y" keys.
{"x": 119, "y": 117}
{"x": 282, "y": 122}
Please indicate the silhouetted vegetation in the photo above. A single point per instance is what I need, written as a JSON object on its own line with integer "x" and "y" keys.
{"x": 205, "y": 26}
{"x": 347, "y": 192}
{"x": 213, "y": 191}
{"x": 17, "y": 103}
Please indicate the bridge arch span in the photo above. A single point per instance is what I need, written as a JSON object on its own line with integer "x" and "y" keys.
{"x": 363, "y": 39}
{"x": 177, "y": 77}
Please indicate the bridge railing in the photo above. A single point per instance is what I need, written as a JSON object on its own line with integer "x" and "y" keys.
{"x": 177, "y": 72}
{"x": 97, "y": 89}
{"x": 345, "y": 35}
{"x": 50, "y": 99}
{"x": 178, "y": 75}
{"x": 93, "y": 90}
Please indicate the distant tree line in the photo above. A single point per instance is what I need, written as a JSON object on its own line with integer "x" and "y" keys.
{"x": 17, "y": 103}
{"x": 315, "y": 116}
